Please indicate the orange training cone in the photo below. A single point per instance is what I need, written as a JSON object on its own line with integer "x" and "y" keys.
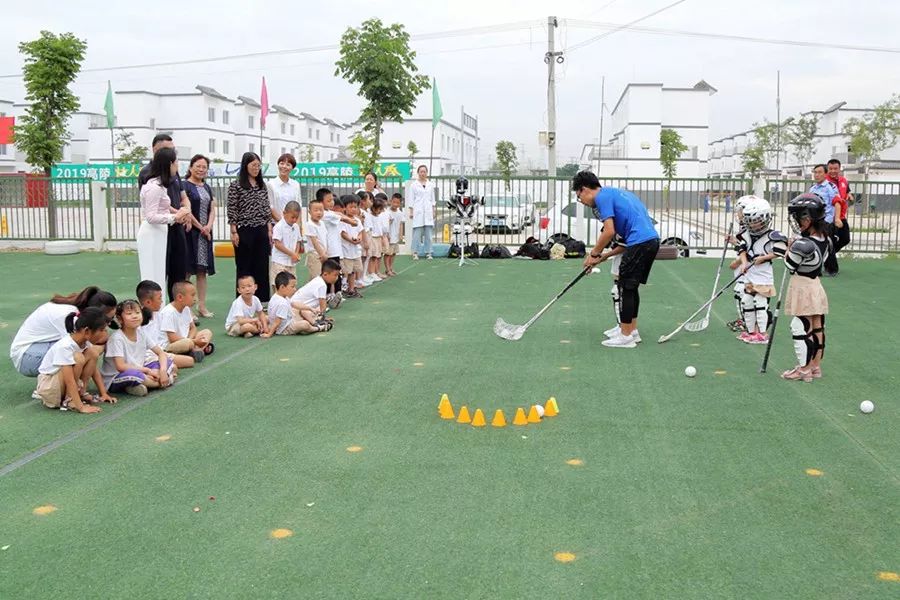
{"x": 478, "y": 419}
{"x": 464, "y": 415}
{"x": 533, "y": 416}
{"x": 499, "y": 419}
{"x": 520, "y": 419}
{"x": 445, "y": 409}
{"x": 550, "y": 408}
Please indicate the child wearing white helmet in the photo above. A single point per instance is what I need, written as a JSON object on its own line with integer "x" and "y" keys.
{"x": 738, "y": 324}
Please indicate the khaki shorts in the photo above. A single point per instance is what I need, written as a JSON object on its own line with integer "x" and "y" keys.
{"x": 275, "y": 269}
{"x": 377, "y": 247}
{"x": 766, "y": 291}
{"x": 235, "y": 330}
{"x": 351, "y": 265}
{"x": 51, "y": 389}
{"x": 392, "y": 249}
{"x": 182, "y": 346}
{"x": 298, "y": 326}
{"x": 314, "y": 265}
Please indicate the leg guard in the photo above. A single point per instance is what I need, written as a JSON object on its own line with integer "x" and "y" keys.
{"x": 763, "y": 318}
{"x": 806, "y": 343}
{"x": 616, "y": 300}
{"x": 748, "y": 309}
{"x": 738, "y": 294}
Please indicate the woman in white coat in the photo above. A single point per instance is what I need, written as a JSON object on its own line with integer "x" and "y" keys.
{"x": 158, "y": 214}
{"x": 422, "y": 206}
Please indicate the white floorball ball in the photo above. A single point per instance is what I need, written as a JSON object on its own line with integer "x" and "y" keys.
{"x": 595, "y": 270}
{"x": 866, "y": 406}
{"x": 540, "y": 410}
{"x": 690, "y": 371}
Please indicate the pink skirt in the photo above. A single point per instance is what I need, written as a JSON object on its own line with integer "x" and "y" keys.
{"x": 805, "y": 297}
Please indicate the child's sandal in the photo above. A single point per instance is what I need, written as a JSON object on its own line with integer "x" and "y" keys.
{"x": 209, "y": 349}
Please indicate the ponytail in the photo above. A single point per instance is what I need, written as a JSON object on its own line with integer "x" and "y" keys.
{"x": 89, "y": 296}
{"x": 91, "y": 318}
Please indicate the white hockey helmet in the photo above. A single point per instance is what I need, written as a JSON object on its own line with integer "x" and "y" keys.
{"x": 757, "y": 215}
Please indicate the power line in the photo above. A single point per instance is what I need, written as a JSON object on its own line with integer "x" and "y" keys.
{"x": 723, "y": 36}
{"x": 587, "y": 42}
{"x": 453, "y": 33}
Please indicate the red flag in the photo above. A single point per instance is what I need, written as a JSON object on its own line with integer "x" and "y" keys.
{"x": 264, "y": 102}
{"x": 6, "y": 129}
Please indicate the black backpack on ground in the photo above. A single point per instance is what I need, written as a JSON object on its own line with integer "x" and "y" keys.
{"x": 471, "y": 251}
{"x": 495, "y": 251}
{"x": 574, "y": 248}
{"x": 533, "y": 249}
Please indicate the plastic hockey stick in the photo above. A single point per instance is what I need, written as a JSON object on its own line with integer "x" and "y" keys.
{"x": 704, "y": 322}
{"x": 666, "y": 338}
{"x": 514, "y": 332}
{"x": 765, "y": 361}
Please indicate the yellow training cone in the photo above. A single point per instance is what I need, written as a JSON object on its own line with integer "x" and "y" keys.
{"x": 464, "y": 415}
{"x": 533, "y": 416}
{"x": 478, "y": 419}
{"x": 499, "y": 420}
{"x": 550, "y": 408}
{"x": 520, "y": 419}
{"x": 445, "y": 409}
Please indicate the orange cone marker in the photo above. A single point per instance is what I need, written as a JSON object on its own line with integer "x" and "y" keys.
{"x": 533, "y": 416}
{"x": 499, "y": 419}
{"x": 445, "y": 409}
{"x": 478, "y": 419}
{"x": 520, "y": 419}
{"x": 464, "y": 415}
{"x": 550, "y": 408}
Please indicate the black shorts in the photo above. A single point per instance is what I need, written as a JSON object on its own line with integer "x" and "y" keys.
{"x": 637, "y": 261}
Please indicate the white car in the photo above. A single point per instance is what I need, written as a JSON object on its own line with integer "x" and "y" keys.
{"x": 675, "y": 232}
{"x": 504, "y": 212}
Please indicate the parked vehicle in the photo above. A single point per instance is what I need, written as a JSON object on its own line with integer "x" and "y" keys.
{"x": 504, "y": 213}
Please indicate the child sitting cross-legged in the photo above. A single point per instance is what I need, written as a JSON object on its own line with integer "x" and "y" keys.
{"x": 282, "y": 320}
{"x": 246, "y": 316}
{"x": 126, "y": 367}
{"x": 308, "y": 302}
{"x": 176, "y": 323}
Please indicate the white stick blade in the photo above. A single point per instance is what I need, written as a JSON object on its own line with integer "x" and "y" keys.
{"x": 508, "y": 331}
{"x": 697, "y": 325}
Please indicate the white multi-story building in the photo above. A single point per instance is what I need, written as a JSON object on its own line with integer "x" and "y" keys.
{"x": 451, "y": 143}
{"x": 726, "y": 155}
{"x": 637, "y": 119}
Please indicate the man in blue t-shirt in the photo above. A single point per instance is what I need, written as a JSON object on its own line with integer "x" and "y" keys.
{"x": 623, "y": 214}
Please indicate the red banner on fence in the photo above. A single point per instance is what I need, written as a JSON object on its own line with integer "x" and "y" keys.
{"x": 6, "y": 129}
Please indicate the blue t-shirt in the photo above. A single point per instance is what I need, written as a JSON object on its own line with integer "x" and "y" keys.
{"x": 628, "y": 213}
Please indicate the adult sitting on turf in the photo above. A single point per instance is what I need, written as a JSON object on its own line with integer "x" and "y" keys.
{"x": 622, "y": 213}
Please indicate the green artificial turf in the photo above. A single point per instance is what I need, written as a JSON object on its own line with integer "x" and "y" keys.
{"x": 689, "y": 488}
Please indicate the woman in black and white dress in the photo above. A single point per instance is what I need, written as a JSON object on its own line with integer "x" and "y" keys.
{"x": 250, "y": 220}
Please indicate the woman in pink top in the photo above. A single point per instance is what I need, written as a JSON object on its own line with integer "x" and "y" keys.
{"x": 157, "y": 213}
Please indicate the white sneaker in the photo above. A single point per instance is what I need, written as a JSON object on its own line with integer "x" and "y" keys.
{"x": 415, "y": 257}
{"x": 377, "y": 277}
{"x": 361, "y": 283}
{"x": 636, "y": 336}
{"x": 620, "y": 341}
{"x": 613, "y": 332}
{"x": 370, "y": 279}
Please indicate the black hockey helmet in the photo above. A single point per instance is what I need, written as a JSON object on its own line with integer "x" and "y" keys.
{"x": 806, "y": 205}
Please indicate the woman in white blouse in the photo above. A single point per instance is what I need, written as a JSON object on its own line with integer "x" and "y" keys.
{"x": 158, "y": 214}
{"x": 283, "y": 189}
{"x": 421, "y": 205}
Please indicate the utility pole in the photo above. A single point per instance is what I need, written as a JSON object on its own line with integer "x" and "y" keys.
{"x": 778, "y": 123}
{"x": 602, "y": 110}
{"x": 551, "y": 59}
{"x": 462, "y": 141}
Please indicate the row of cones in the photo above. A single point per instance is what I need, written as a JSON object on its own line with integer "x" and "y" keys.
{"x": 445, "y": 410}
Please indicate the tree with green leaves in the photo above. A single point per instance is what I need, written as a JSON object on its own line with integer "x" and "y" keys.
{"x": 670, "y": 149}
{"x": 363, "y": 151}
{"x": 128, "y": 150}
{"x": 873, "y": 134}
{"x": 800, "y": 134}
{"x": 507, "y": 162}
{"x": 413, "y": 150}
{"x": 52, "y": 62}
{"x": 378, "y": 58}
{"x": 568, "y": 170}
{"x": 754, "y": 159}
{"x": 766, "y": 136}
{"x": 308, "y": 153}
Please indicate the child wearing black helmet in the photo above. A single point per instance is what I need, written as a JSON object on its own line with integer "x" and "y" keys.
{"x": 805, "y": 300}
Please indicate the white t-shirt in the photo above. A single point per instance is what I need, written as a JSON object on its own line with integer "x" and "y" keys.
{"x": 280, "y": 307}
{"x": 280, "y": 193}
{"x": 384, "y": 220}
{"x": 367, "y": 220}
{"x": 239, "y": 308}
{"x": 152, "y": 332}
{"x": 396, "y": 218}
{"x": 351, "y": 250}
{"x": 60, "y": 354}
{"x": 289, "y": 235}
{"x": 134, "y": 353}
{"x": 170, "y": 320}
{"x": 310, "y": 294}
{"x": 46, "y": 324}
{"x": 320, "y": 232}
{"x": 332, "y": 221}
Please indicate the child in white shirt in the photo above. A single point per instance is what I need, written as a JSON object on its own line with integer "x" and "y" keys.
{"x": 282, "y": 320}
{"x": 286, "y": 242}
{"x": 126, "y": 367}
{"x": 149, "y": 295}
{"x": 309, "y": 302}
{"x": 177, "y": 323}
{"x": 376, "y": 248}
{"x": 246, "y": 316}
{"x": 395, "y": 232}
{"x": 317, "y": 236}
{"x": 333, "y": 217}
{"x": 351, "y": 235}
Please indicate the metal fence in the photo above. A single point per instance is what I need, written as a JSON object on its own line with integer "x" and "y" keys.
{"x": 35, "y": 207}
{"x": 693, "y": 214}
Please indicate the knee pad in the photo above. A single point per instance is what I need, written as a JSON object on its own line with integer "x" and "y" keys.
{"x": 749, "y": 311}
{"x": 763, "y": 316}
{"x": 614, "y": 292}
{"x": 738, "y": 290}
{"x": 806, "y": 344}
{"x": 629, "y": 284}
{"x": 617, "y": 307}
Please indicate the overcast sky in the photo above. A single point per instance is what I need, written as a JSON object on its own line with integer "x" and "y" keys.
{"x": 499, "y": 76}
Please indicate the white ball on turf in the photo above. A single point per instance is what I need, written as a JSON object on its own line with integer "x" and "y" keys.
{"x": 866, "y": 406}
{"x": 690, "y": 371}
{"x": 540, "y": 410}
{"x": 595, "y": 270}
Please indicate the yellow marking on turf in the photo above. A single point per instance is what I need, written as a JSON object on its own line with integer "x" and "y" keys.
{"x": 468, "y": 304}
{"x": 565, "y": 368}
{"x": 163, "y": 438}
{"x": 695, "y": 345}
{"x": 814, "y": 472}
{"x": 565, "y": 341}
{"x": 283, "y": 359}
{"x": 564, "y": 557}
{"x": 439, "y": 339}
{"x": 280, "y": 534}
{"x": 575, "y": 462}
{"x": 376, "y": 302}
{"x": 567, "y": 322}
{"x": 4, "y": 325}
{"x": 492, "y": 274}
{"x": 44, "y": 510}
{"x": 888, "y": 576}
{"x": 354, "y": 448}
{"x": 720, "y": 372}
{"x": 418, "y": 364}
{"x": 454, "y": 319}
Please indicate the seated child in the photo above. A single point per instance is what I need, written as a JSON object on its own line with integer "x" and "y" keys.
{"x": 149, "y": 294}
{"x": 126, "y": 367}
{"x": 282, "y": 320}
{"x": 246, "y": 316}
{"x": 309, "y": 301}
{"x": 65, "y": 369}
{"x": 176, "y": 323}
